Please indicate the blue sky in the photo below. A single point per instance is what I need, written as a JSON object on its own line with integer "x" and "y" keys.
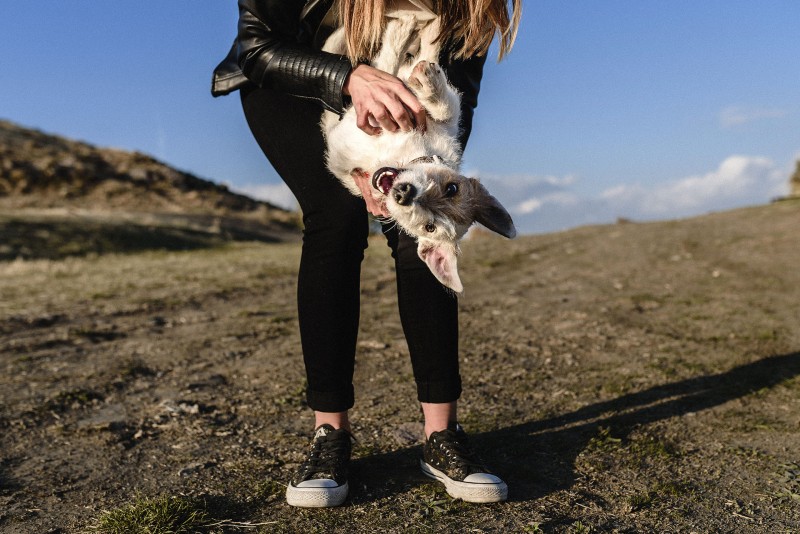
{"x": 641, "y": 109}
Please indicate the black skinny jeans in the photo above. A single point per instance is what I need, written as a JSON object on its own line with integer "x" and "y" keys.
{"x": 334, "y": 238}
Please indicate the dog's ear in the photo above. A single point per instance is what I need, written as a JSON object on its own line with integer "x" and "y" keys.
{"x": 441, "y": 259}
{"x": 491, "y": 213}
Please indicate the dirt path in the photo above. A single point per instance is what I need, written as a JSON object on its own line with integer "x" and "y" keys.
{"x": 626, "y": 378}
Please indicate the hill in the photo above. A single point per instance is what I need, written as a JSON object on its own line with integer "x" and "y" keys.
{"x": 56, "y": 187}
{"x": 621, "y": 378}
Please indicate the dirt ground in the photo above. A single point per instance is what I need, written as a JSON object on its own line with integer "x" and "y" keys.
{"x": 623, "y": 378}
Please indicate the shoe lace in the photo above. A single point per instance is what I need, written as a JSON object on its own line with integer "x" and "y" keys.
{"x": 325, "y": 457}
{"x": 458, "y": 452}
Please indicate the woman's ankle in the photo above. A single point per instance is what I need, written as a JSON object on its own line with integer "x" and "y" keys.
{"x": 438, "y": 416}
{"x": 336, "y": 419}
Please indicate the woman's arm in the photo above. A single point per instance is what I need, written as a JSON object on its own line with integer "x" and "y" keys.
{"x": 270, "y": 56}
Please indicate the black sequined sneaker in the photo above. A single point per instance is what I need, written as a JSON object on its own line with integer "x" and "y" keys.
{"x": 321, "y": 480}
{"x": 448, "y": 457}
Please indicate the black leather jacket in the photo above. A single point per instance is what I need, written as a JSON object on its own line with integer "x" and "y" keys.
{"x": 278, "y": 46}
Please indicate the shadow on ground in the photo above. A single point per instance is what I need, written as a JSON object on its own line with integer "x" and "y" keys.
{"x": 538, "y": 457}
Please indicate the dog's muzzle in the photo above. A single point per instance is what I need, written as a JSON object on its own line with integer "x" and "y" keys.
{"x": 384, "y": 178}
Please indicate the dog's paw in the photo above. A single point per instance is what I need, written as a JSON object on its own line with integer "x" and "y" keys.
{"x": 427, "y": 80}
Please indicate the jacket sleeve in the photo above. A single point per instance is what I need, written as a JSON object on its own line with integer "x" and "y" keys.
{"x": 465, "y": 75}
{"x": 269, "y": 55}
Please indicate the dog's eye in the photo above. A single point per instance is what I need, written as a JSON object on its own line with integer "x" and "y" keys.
{"x": 451, "y": 190}
{"x": 430, "y": 228}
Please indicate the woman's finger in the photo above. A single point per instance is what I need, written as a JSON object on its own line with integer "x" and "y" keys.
{"x": 401, "y": 116}
{"x": 384, "y": 118}
{"x": 366, "y": 123}
{"x": 419, "y": 115}
{"x": 412, "y": 109}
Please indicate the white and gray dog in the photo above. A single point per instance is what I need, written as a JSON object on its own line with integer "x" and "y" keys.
{"x": 416, "y": 173}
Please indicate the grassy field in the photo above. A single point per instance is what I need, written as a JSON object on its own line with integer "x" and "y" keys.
{"x": 623, "y": 378}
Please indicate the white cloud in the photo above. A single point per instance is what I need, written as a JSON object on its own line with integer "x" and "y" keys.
{"x": 523, "y": 182}
{"x": 528, "y": 206}
{"x": 277, "y": 194}
{"x": 735, "y": 115}
{"x": 543, "y": 204}
{"x": 738, "y": 180}
{"x": 557, "y": 198}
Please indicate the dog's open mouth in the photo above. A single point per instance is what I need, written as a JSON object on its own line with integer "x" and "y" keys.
{"x": 384, "y": 178}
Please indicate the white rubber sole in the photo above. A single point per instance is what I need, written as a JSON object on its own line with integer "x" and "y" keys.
{"x": 316, "y": 497}
{"x": 467, "y": 491}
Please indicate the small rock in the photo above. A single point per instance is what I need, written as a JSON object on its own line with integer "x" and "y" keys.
{"x": 210, "y": 382}
{"x": 107, "y": 418}
{"x": 185, "y": 407}
{"x": 373, "y": 344}
{"x": 406, "y": 434}
{"x": 191, "y": 469}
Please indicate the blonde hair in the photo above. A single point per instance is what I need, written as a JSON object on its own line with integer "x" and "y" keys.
{"x": 467, "y": 25}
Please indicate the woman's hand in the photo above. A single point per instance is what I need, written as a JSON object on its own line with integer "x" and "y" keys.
{"x": 364, "y": 182}
{"x": 382, "y": 102}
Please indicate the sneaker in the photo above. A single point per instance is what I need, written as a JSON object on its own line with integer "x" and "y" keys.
{"x": 448, "y": 457}
{"x": 321, "y": 480}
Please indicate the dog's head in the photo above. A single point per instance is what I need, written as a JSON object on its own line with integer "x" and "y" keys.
{"x": 436, "y": 206}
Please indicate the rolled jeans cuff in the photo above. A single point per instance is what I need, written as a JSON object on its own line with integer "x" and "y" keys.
{"x": 440, "y": 391}
{"x": 330, "y": 401}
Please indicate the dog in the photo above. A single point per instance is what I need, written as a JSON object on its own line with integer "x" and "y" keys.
{"x": 416, "y": 173}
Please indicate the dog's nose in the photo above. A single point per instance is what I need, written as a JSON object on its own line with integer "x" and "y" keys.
{"x": 404, "y": 193}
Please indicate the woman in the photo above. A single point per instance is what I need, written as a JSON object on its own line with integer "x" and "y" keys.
{"x": 285, "y": 81}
